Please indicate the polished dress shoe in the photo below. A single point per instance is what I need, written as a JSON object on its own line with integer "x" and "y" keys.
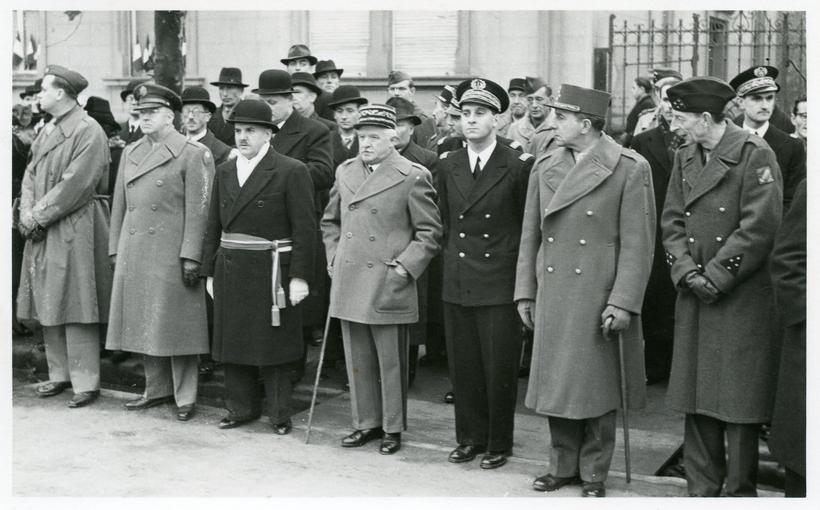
{"x": 550, "y": 482}
{"x": 83, "y": 398}
{"x": 593, "y": 490}
{"x": 51, "y": 388}
{"x": 145, "y": 403}
{"x": 186, "y": 412}
{"x": 230, "y": 422}
{"x": 494, "y": 460}
{"x": 449, "y": 397}
{"x": 283, "y": 428}
{"x": 391, "y": 443}
{"x": 465, "y": 453}
{"x": 361, "y": 437}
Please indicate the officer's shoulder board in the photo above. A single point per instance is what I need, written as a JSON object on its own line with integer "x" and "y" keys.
{"x": 515, "y": 145}
{"x": 443, "y": 155}
{"x": 525, "y": 156}
{"x": 441, "y": 140}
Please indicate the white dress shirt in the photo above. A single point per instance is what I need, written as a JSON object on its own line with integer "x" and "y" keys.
{"x": 245, "y": 166}
{"x": 761, "y": 131}
{"x": 482, "y": 156}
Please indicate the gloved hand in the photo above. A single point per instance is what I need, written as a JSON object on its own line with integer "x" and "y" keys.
{"x": 297, "y": 290}
{"x": 209, "y": 286}
{"x": 702, "y": 287}
{"x": 112, "y": 262}
{"x": 615, "y": 319}
{"x": 190, "y": 272}
{"x": 526, "y": 309}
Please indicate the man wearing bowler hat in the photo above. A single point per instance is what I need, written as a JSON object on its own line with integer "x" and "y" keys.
{"x": 231, "y": 89}
{"x": 722, "y": 211}
{"x": 64, "y": 284}
{"x": 380, "y": 229}
{"x": 757, "y": 89}
{"x": 258, "y": 256}
{"x": 158, "y": 219}
{"x": 305, "y": 94}
{"x": 584, "y": 260}
{"x": 345, "y": 102}
{"x": 328, "y": 75}
{"x": 482, "y": 188}
{"x": 197, "y": 110}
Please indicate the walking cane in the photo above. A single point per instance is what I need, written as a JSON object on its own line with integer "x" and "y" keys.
{"x": 318, "y": 375}
{"x": 624, "y": 398}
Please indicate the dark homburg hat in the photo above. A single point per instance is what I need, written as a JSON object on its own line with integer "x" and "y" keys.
{"x": 346, "y": 94}
{"x": 661, "y": 73}
{"x": 700, "y": 94}
{"x": 582, "y": 100}
{"x": 231, "y": 76}
{"x": 483, "y": 92}
{"x": 517, "y": 84}
{"x": 327, "y": 66}
{"x": 274, "y": 81}
{"x": 76, "y": 82}
{"x": 198, "y": 95}
{"x": 100, "y": 110}
{"x": 133, "y": 84}
{"x": 378, "y": 115}
{"x": 151, "y": 95}
{"x": 298, "y": 51}
{"x": 446, "y": 95}
{"x": 756, "y": 80}
{"x": 33, "y": 89}
{"x": 404, "y": 110}
{"x": 306, "y": 80}
{"x": 253, "y": 111}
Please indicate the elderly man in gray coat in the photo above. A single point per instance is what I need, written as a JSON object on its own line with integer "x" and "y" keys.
{"x": 381, "y": 228}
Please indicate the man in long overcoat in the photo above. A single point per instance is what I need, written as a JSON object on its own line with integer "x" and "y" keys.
{"x": 381, "y": 228}
{"x": 722, "y": 211}
{"x": 157, "y": 226}
{"x": 261, "y": 236}
{"x": 585, "y": 258}
{"x": 65, "y": 284}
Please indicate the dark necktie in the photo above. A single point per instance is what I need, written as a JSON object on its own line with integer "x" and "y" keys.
{"x": 477, "y": 169}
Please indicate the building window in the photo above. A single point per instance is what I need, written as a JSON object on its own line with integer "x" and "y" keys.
{"x": 341, "y": 36}
{"x": 425, "y": 42}
{"x": 26, "y": 41}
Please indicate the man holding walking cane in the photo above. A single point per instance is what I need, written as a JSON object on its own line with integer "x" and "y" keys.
{"x": 584, "y": 261}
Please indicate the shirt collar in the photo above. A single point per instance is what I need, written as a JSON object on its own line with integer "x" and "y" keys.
{"x": 484, "y": 155}
{"x": 200, "y": 136}
{"x": 760, "y": 131}
{"x": 251, "y": 163}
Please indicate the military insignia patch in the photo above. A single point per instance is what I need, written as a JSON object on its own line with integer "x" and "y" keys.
{"x": 761, "y": 72}
{"x": 141, "y": 92}
{"x": 670, "y": 259}
{"x": 525, "y": 156}
{"x": 732, "y": 264}
{"x": 478, "y": 84}
{"x": 206, "y": 156}
{"x": 514, "y": 144}
{"x": 764, "y": 175}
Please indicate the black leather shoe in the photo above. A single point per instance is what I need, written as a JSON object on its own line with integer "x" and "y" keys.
{"x": 593, "y": 490}
{"x": 83, "y": 398}
{"x": 51, "y": 388}
{"x": 361, "y": 437}
{"x": 449, "y": 397}
{"x": 283, "y": 428}
{"x": 145, "y": 403}
{"x": 231, "y": 423}
{"x": 494, "y": 460}
{"x": 465, "y": 453}
{"x": 186, "y": 412}
{"x": 391, "y": 443}
{"x": 550, "y": 482}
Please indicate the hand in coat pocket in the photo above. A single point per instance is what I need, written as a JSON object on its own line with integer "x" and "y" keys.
{"x": 397, "y": 292}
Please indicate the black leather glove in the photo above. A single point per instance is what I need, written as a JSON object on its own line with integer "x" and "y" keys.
{"x": 702, "y": 287}
{"x": 190, "y": 272}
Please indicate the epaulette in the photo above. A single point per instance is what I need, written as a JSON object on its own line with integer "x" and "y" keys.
{"x": 444, "y": 155}
{"x": 525, "y": 156}
{"x": 514, "y": 144}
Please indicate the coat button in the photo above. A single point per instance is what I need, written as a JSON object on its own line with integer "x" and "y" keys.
{"x": 369, "y": 264}
{"x": 722, "y": 209}
{"x": 131, "y": 207}
{"x": 719, "y": 239}
{"x": 462, "y": 235}
{"x": 374, "y": 211}
{"x": 582, "y": 242}
{"x": 550, "y": 269}
{"x": 486, "y": 236}
{"x": 132, "y": 231}
{"x": 260, "y": 203}
{"x": 487, "y": 216}
{"x": 153, "y": 207}
{"x": 550, "y": 239}
{"x": 349, "y": 235}
{"x": 589, "y": 213}
{"x": 486, "y": 255}
{"x": 577, "y": 270}
{"x": 372, "y": 238}
{"x": 461, "y": 254}
{"x": 151, "y": 230}
{"x": 461, "y": 216}
{"x": 159, "y": 182}
{"x": 130, "y": 185}
{"x": 352, "y": 207}
{"x": 691, "y": 240}
{"x": 688, "y": 213}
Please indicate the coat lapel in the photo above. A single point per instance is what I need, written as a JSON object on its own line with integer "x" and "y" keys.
{"x": 461, "y": 174}
{"x": 494, "y": 171}
{"x": 726, "y": 153}
{"x": 386, "y": 176}
{"x": 259, "y": 178}
{"x": 146, "y": 156}
{"x": 61, "y": 132}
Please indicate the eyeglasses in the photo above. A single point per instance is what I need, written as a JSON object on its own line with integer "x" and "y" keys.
{"x": 192, "y": 111}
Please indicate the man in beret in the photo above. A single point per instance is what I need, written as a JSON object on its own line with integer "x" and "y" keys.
{"x": 65, "y": 285}
{"x": 650, "y": 118}
{"x": 400, "y": 84}
{"x": 258, "y": 256}
{"x": 130, "y": 130}
{"x": 583, "y": 264}
{"x": 722, "y": 210}
{"x": 197, "y": 110}
{"x": 159, "y": 209}
{"x": 482, "y": 189}
{"x": 231, "y": 90}
{"x": 757, "y": 89}
{"x": 381, "y": 228}
{"x": 518, "y": 105}
{"x": 539, "y": 96}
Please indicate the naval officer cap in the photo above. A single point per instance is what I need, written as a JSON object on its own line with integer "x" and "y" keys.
{"x": 378, "y": 115}
{"x": 151, "y": 95}
{"x": 483, "y": 92}
{"x": 74, "y": 80}
{"x": 576, "y": 99}
{"x": 756, "y": 80}
{"x": 700, "y": 94}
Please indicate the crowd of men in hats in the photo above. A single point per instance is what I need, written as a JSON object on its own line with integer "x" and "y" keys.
{"x": 505, "y": 222}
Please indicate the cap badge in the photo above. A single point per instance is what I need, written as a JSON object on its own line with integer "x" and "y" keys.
{"x": 761, "y": 72}
{"x": 142, "y": 91}
{"x": 478, "y": 84}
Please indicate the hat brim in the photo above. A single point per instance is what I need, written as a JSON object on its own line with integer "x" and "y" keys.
{"x": 337, "y": 71}
{"x": 152, "y": 105}
{"x": 125, "y": 94}
{"x": 207, "y": 104}
{"x": 355, "y": 100}
{"x": 310, "y": 58}
{"x": 315, "y": 88}
{"x": 106, "y": 119}
{"x": 256, "y": 122}
{"x": 520, "y": 89}
{"x": 375, "y": 123}
{"x": 272, "y": 92}
{"x": 763, "y": 90}
{"x": 412, "y": 118}
{"x": 229, "y": 84}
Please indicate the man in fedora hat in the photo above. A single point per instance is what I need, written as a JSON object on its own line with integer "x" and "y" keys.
{"x": 305, "y": 93}
{"x": 259, "y": 259}
{"x": 65, "y": 285}
{"x": 588, "y": 230}
{"x": 381, "y": 228}
{"x": 308, "y": 141}
{"x": 328, "y": 75}
{"x": 481, "y": 194}
{"x": 197, "y": 110}
{"x": 231, "y": 90}
{"x": 538, "y": 97}
{"x": 757, "y": 89}
{"x": 160, "y": 208}
{"x": 299, "y": 59}
{"x": 345, "y": 102}
{"x": 130, "y": 131}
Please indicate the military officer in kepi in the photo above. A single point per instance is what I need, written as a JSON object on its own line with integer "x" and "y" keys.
{"x": 585, "y": 258}
{"x": 381, "y": 228}
{"x": 482, "y": 190}
{"x": 722, "y": 211}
